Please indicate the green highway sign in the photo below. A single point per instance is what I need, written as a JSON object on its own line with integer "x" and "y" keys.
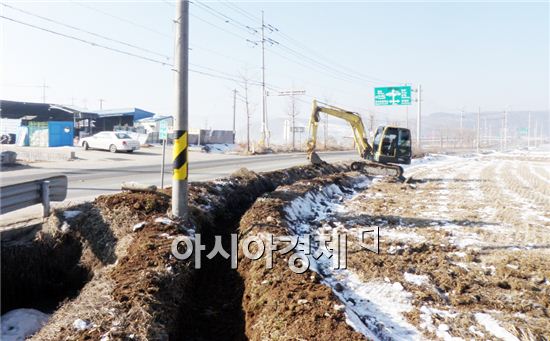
{"x": 393, "y": 95}
{"x": 163, "y": 131}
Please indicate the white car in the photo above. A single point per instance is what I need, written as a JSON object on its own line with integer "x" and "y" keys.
{"x": 111, "y": 141}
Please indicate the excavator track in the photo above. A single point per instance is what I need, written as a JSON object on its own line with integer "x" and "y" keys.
{"x": 378, "y": 169}
{"x": 367, "y": 167}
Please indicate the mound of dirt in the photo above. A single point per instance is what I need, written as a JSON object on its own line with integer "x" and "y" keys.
{"x": 279, "y": 303}
{"x": 139, "y": 291}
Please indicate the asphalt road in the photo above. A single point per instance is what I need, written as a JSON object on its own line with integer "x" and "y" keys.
{"x": 90, "y": 178}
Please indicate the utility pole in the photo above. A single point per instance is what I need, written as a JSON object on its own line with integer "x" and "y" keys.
{"x": 265, "y": 129}
{"x": 529, "y": 130}
{"x": 418, "y": 117}
{"x": 371, "y": 123}
{"x": 181, "y": 64}
{"x": 478, "y": 128}
{"x": 461, "y": 133}
{"x": 326, "y": 131}
{"x": 234, "y": 112}
{"x": 101, "y": 100}
{"x": 505, "y": 129}
{"x": 265, "y": 133}
{"x": 247, "y": 115}
{"x": 44, "y": 86}
{"x": 536, "y": 140}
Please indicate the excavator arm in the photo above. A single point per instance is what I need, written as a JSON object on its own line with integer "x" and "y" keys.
{"x": 354, "y": 119}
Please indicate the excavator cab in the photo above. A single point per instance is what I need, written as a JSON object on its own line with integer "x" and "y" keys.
{"x": 392, "y": 145}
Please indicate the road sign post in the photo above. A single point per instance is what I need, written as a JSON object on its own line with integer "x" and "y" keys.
{"x": 163, "y": 135}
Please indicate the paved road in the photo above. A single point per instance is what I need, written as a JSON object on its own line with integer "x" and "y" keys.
{"x": 90, "y": 178}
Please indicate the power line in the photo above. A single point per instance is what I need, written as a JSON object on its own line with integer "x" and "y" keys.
{"x": 133, "y": 23}
{"x": 224, "y": 17}
{"x": 219, "y": 27}
{"x": 241, "y": 11}
{"x": 86, "y": 41}
{"x": 86, "y": 31}
{"x": 222, "y": 75}
{"x": 356, "y": 74}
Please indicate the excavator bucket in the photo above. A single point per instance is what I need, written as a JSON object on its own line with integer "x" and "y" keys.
{"x": 315, "y": 159}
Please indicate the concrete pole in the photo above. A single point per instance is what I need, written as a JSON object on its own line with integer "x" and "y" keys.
{"x": 478, "y": 142}
{"x": 529, "y": 130}
{"x": 293, "y": 103}
{"x": 234, "y": 113}
{"x": 461, "y": 133}
{"x": 44, "y": 86}
{"x": 265, "y": 129}
{"x": 535, "y": 137}
{"x": 326, "y": 131}
{"x": 247, "y": 116}
{"x": 505, "y": 129}
{"x": 418, "y": 117}
{"x": 181, "y": 64}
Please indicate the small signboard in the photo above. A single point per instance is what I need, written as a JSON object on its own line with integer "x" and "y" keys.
{"x": 163, "y": 130}
{"x": 394, "y": 95}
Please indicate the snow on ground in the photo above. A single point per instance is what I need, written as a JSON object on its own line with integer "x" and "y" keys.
{"x": 373, "y": 308}
{"x": 494, "y": 328}
{"x": 491, "y": 202}
{"x": 19, "y": 324}
{"x": 220, "y": 148}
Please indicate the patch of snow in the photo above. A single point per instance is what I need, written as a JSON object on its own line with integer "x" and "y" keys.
{"x": 442, "y": 330}
{"x": 163, "y": 220}
{"x": 65, "y": 227}
{"x": 19, "y": 324}
{"x": 375, "y": 308}
{"x": 474, "y": 331}
{"x": 396, "y": 234}
{"x": 219, "y": 148}
{"x": 138, "y": 226}
{"x": 461, "y": 265}
{"x": 416, "y": 279}
{"x": 492, "y": 326}
{"x": 80, "y": 324}
{"x": 70, "y": 214}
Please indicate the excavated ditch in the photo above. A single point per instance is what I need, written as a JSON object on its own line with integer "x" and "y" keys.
{"x": 125, "y": 284}
{"x": 41, "y": 273}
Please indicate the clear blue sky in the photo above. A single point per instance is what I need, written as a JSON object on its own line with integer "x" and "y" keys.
{"x": 465, "y": 55}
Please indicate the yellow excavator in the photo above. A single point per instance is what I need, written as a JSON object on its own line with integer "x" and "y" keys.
{"x": 391, "y": 145}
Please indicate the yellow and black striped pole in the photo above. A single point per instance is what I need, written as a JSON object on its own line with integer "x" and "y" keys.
{"x": 180, "y": 162}
{"x": 180, "y": 155}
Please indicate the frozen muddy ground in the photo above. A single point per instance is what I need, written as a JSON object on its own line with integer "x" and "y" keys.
{"x": 464, "y": 250}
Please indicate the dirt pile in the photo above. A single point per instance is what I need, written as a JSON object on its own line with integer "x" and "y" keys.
{"x": 138, "y": 289}
{"x": 279, "y": 303}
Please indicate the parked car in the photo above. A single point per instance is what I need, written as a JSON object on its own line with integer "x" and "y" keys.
{"x": 111, "y": 141}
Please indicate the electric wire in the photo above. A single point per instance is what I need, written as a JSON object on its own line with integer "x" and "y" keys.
{"x": 85, "y": 31}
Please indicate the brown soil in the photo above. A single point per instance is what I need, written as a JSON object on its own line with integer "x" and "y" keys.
{"x": 280, "y": 304}
{"x": 138, "y": 290}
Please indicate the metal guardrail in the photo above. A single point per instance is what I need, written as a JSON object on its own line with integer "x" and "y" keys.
{"x": 41, "y": 191}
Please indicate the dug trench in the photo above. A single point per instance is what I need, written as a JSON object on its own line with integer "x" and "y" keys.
{"x": 121, "y": 282}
